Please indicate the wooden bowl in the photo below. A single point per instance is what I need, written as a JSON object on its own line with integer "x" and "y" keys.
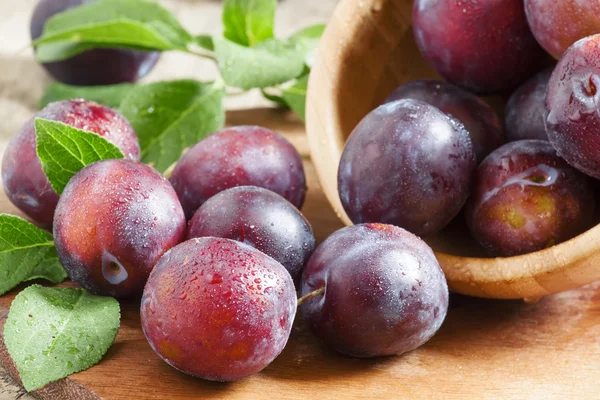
{"x": 368, "y": 50}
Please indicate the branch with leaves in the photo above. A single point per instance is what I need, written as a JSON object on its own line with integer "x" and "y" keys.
{"x": 248, "y": 55}
{"x": 171, "y": 116}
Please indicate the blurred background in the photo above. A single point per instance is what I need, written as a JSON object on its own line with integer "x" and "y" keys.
{"x": 23, "y": 81}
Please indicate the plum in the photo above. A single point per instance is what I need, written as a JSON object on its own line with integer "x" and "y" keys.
{"x": 24, "y": 180}
{"x": 477, "y": 116}
{"x": 374, "y": 290}
{"x": 484, "y": 46}
{"x": 407, "y": 164}
{"x": 527, "y": 198}
{"x": 239, "y": 156}
{"x": 261, "y": 219}
{"x": 525, "y": 113}
{"x": 96, "y": 66}
{"x": 113, "y": 222}
{"x": 572, "y": 106}
{"x": 218, "y": 309}
{"x": 557, "y": 24}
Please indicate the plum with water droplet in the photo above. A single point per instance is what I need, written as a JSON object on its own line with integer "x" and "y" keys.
{"x": 218, "y": 309}
{"x": 484, "y": 46}
{"x": 527, "y": 198}
{"x": 573, "y": 106}
{"x": 259, "y": 218}
{"x": 101, "y": 66}
{"x": 113, "y": 222}
{"x": 239, "y": 156}
{"x": 374, "y": 290}
{"x": 479, "y": 119}
{"x": 406, "y": 164}
{"x": 23, "y": 179}
{"x": 525, "y": 112}
{"x": 557, "y": 24}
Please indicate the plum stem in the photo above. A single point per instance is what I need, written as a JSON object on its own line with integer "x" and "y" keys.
{"x": 315, "y": 293}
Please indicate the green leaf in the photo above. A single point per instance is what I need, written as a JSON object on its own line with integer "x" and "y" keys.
{"x": 139, "y": 24}
{"x": 110, "y": 96}
{"x": 170, "y": 116}
{"x": 308, "y": 41}
{"x": 26, "y": 252}
{"x": 275, "y": 98}
{"x": 51, "y": 333}
{"x": 295, "y": 96}
{"x": 59, "y": 51}
{"x": 205, "y": 41}
{"x": 249, "y": 22}
{"x": 49, "y": 269}
{"x": 64, "y": 150}
{"x": 267, "y": 64}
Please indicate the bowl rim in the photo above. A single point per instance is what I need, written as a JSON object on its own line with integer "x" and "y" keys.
{"x": 562, "y": 267}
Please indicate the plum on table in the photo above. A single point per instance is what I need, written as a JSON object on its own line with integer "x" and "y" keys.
{"x": 218, "y": 309}
{"x": 374, "y": 290}
{"x": 239, "y": 156}
{"x": 24, "y": 180}
{"x": 113, "y": 222}
{"x": 259, "y": 218}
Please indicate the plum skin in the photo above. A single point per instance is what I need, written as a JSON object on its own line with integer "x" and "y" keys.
{"x": 113, "y": 222}
{"x": 572, "y": 104}
{"x": 525, "y": 112}
{"x": 406, "y": 164}
{"x": 239, "y": 156}
{"x": 558, "y": 24}
{"x": 92, "y": 67}
{"x": 385, "y": 292}
{"x": 218, "y": 309}
{"x": 479, "y": 119}
{"x": 23, "y": 179}
{"x": 483, "y": 46}
{"x": 527, "y": 198}
{"x": 261, "y": 219}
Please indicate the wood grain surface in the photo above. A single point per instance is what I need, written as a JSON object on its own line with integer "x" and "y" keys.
{"x": 486, "y": 349}
{"x": 23, "y": 81}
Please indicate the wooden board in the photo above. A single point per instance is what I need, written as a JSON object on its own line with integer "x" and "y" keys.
{"x": 485, "y": 350}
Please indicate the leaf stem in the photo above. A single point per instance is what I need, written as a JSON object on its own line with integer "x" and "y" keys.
{"x": 312, "y": 294}
{"x": 169, "y": 171}
{"x": 201, "y": 54}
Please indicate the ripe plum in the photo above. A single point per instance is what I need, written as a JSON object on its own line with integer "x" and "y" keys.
{"x": 374, "y": 290}
{"x": 218, "y": 309}
{"x": 407, "y": 164}
{"x": 527, "y": 198}
{"x": 261, "y": 219}
{"x": 239, "y": 156}
{"x": 113, "y": 222}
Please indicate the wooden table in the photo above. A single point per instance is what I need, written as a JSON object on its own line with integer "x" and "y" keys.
{"x": 485, "y": 349}
{"x": 22, "y": 80}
